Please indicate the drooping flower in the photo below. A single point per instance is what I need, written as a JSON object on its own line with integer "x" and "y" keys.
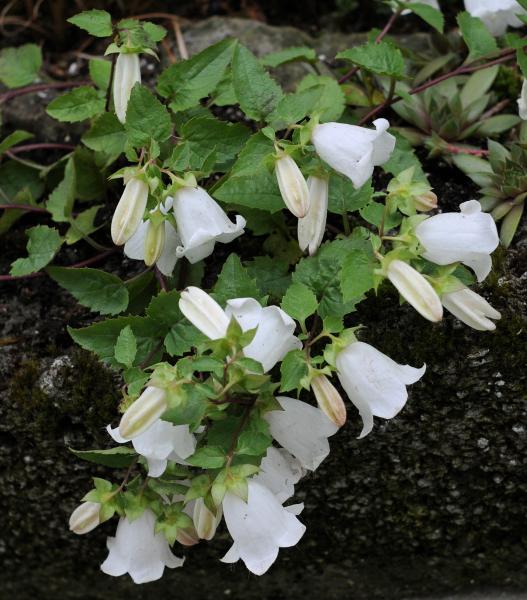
{"x": 311, "y": 228}
{"x": 259, "y": 528}
{"x": 496, "y": 14}
{"x": 471, "y": 308}
{"x": 85, "y": 517}
{"x": 274, "y": 336}
{"x": 204, "y": 312}
{"x": 136, "y": 549}
{"x": 155, "y": 244}
{"x": 469, "y": 236}
{"x": 127, "y": 74}
{"x": 143, "y": 413}
{"x": 160, "y": 443}
{"x": 425, "y": 202}
{"x": 354, "y": 151}
{"x": 302, "y": 430}
{"x": 201, "y": 223}
{"x": 279, "y": 472}
{"x": 293, "y": 186}
{"x": 329, "y": 400}
{"x": 416, "y": 290}
{"x": 205, "y": 522}
{"x": 522, "y": 101}
{"x": 129, "y": 211}
{"x": 375, "y": 383}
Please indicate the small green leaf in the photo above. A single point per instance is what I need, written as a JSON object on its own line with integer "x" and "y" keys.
{"x": 155, "y": 32}
{"x": 299, "y": 302}
{"x": 429, "y": 14}
{"x": 126, "y": 347}
{"x": 146, "y": 118}
{"x": 96, "y": 22}
{"x": 288, "y": 55}
{"x": 343, "y": 197}
{"x": 42, "y": 246}
{"x": 381, "y": 58}
{"x": 332, "y": 102}
{"x": 106, "y": 135}
{"x": 20, "y": 66}
{"x": 234, "y": 282}
{"x": 100, "y": 72}
{"x": 81, "y": 103}
{"x": 208, "y": 457}
{"x": 477, "y": 37}
{"x": 118, "y": 457}
{"x": 13, "y": 139}
{"x": 357, "y": 274}
{"x": 60, "y": 202}
{"x": 293, "y": 368}
{"x": 82, "y": 225}
{"x": 182, "y": 338}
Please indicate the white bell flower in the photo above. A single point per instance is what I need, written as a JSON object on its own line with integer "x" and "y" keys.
{"x": 274, "y": 336}
{"x": 375, "y": 383}
{"x": 204, "y": 312}
{"x": 279, "y": 472}
{"x": 293, "y": 186}
{"x": 471, "y": 309}
{"x": 469, "y": 236}
{"x": 522, "y": 101}
{"x": 161, "y": 250}
{"x": 259, "y": 528}
{"x": 496, "y": 14}
{"x": 136, "y": 549}
{"x": 85, "y": 517}
{"x": 129, "y": 211}
{"x": 143, "y": 413}
{"x": 302, "y": 430}
{"x": 416, "y": 290}
{"x": 201, "y": 222}
{"x": 312, "y": 227}
{"x": 127, "y": 74}
{"x": 432, "y": 3}
{"x": 160, "y": 443}
{"x": 352, "y": 150}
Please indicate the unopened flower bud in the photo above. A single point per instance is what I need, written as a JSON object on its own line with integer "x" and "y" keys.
{"x": 85, "y": 517}
{"x": 416, "y": 290}
{"x": 312, "y": 227}
{"x": 130, "y": 210}
{"x": 143, "y": 413}
{"x": 425, "y": 202}
{"x": 204, "y": 312}
{"x": 471, "y": 309}
{"x": 127, "y": 74}
{"x": 329, "y": 400}
{"x": 293, "y": 186}
{"x": 154, "y": 242}
{"x": 187, "y": 536}
{"x": 205, "y": 521}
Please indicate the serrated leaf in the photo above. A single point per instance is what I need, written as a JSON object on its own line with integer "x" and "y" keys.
{"x": 146, "y": 118}
{"x": 96, "y": 22}
{"x": 42, "y": 246}
{"x": 357, "y": 274}
{"x": 477, "y": 37}
{"x": 98, "y": 290}
{"x": 100, "y": 72}
{"x": 79, "y": 104}
{"x": 234, "y": 282}
{"x": 208, "y": 457}
{"x": 182, "y": 338}
{"x": 254, "y": 191}
{"x": 13, "y": 139}
{"x": 331, "y": 103}
{"x": 61, "y": 199}
{"x": 164, "y": 309}
{"x": 106, "y": 135}
{"x": 126, "y": 347}
{"x": 118, "y": 457}
{"x": 288, "y": 55}
{"x": 20, "y": 66}
{"x": 272, "y": 275}
{"x": 293, "y": 368}
{"x": 292, "y": 108}
{"x": 382, "y": 58}
{"x": 299, "y": 302}
{"x": 343, "y": 197}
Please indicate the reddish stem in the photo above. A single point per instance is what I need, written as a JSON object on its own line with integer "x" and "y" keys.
{"x": 39, "y": 87}
{"x": 26, "y": 207}
{"x": 472, "y": 151}
{"x": 161, "y": 279}
{"x": 41, "y": 146}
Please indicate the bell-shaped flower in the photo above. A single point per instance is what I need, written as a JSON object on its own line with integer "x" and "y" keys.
{"x": 274, "y": 336}
{"x": 302, "y": 430}
{"x": 279, "y": 472}
{"x": 143, "y": 413}
{"x": 471, "y": 308}
{"x": 469, "y": 236}
{"x": 426, "y": 201}
{"x": 375, "y": 383}
{"x": 201, "y": 222}
{"x": 293, "y": 186}
{"x": 136, "y": 549}
{"x": 432, "y": 3}
{"x": 416, "y": 290}
{"x": 352, "y": 150}
{"x": 205, "y": 522}
{"x": 204, "y": 312}
{"x": 522, "y": 101}
{"x": 155, "y": 244}
{"x": 312, "y": 227}
{"x": 259, "y": 527}
{"x": 329, "y": 400}
{"x": 127, "y": 74}
{"x": 129, "y": 212}
{"x": 85, "y": 517}
{"x": 160, "y": 443}
{"x": 496, "y": 14}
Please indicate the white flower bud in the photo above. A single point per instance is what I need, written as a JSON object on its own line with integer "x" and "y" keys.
{"x": 127, "y": 74}
{"x": 187, "y": 536}
{"x": 154, "y": 242}
{"x": 416, "y": 290}
{"x": 522, "y": 101}
{"x": 329, "y": 400}
{"x": 204, "y": 312}
{"x": 85, "y": 517}
{"x": 293, "y": 186}
{"x": 471, "y": 308}
{"x": 130, "y": 210}
{"x": 143, "y": 413}
{"x": 205, "y": 521}
{"x": 312, "y": 227}
{"x": 425, "y": 202}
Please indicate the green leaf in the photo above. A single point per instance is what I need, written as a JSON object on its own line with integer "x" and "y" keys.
{"x": 118, "y": 457}
{"x": 381, "y": 58}
{"x": 343, "y": 197}
{"x": 254, "y": 191}
{"x": 61, "y": 199}
{"x": 477, "y": 37}
{"x": 208, "y": 457}
{"x": 272, "y": 275}
{"x": 182, "y": 338}
{"x": 185, "y": 83}
{"x": 403, "y": 157}
{"x": 288, "y": 55}
{"x": 253, "y": 443}
{"x": 357, "y": 274}
{"x": 81, "y": 103}
{"x": 13, "y": 139}
{"x": 257, "y": 93}
{"x": 19, "y": 184}
{"x": 42, "y": 246}
{"x": 332, "y": 102}
{"x": 20, "y": 66}
{"x": 299, "y": 302}
{"x": 100, "y": 291}
{"x": 96, "y": 22}
{"x": 155, "y": 32}
{"x": 91, "y": 182}
{"x": 253, "y": 157}
{"x": 497, "y": 124}
{"x": 126, "y": 347}
{"x": 164, "y": 310}
{"x": 293, "y": 369}
{"x": 234, "y": 282}
{"x": 146, "y": 118}
{"x": 292, "y": 108}
{"x": 429, "y": 14}
{"x": 106, "y": 135}
{"x": 100, "y": 72}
